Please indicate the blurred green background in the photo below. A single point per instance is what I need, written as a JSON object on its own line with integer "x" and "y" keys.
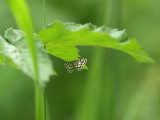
{"x": 115, "y": 87}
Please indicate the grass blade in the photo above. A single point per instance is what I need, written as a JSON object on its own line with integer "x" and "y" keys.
{"x": 21, "y": 13}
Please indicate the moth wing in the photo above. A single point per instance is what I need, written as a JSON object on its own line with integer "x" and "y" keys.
{"x": 69, "y": 67}
{"x": 80, "y": 64}
{"x": 75, "y": 65}
{"x": 83, "y": 61}
{"x": 70, "y": 70}
{"x": 79, "y": 68}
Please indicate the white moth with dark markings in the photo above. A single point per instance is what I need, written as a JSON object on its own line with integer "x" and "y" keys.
{"x": 75, "y": 65}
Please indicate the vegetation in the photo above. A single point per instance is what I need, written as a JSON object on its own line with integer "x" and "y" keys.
{"x": 30, "y": 52}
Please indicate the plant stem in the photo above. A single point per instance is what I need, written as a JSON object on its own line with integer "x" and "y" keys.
{"x": 44, "y": 13}
{"x": 44, "y": 102}
{"x": 22, "y": 16}
{"x": 40, "y": 95}
{"x": 39, "y": 100}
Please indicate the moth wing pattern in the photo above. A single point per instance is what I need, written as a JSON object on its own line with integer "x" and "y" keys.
{"x": 79, "y": 68}
{"x": 80, "y": 64}
{"x": 69, "y": 66}
{"x": 75, "y": 65}
{"x": 83, "y": 61}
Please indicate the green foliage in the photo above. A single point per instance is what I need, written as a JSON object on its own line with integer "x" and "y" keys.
{"x": 21, "y": 13}
{"x": 14, "y": 49}
{"x": 62, "y": 38}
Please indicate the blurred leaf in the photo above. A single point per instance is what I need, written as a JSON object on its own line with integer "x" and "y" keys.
{"x": 37, "y": 58}
{"x": 1, "y": 59}
{"x": 85, "y": 67}
{"x": 21, "y": 14}
{"x": 62, "y": 38}
{"x": 15, "y": 49}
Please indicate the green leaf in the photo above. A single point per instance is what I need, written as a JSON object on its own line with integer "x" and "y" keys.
{"x": 61, "y": 40}
{"x": 14, "y": 47}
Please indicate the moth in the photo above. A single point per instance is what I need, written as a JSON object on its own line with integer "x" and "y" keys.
{"x": 77, "y": 65}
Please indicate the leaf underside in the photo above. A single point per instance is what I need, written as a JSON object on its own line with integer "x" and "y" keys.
{"x": 14, "y": 51}
{"x": 61, "y": 39}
